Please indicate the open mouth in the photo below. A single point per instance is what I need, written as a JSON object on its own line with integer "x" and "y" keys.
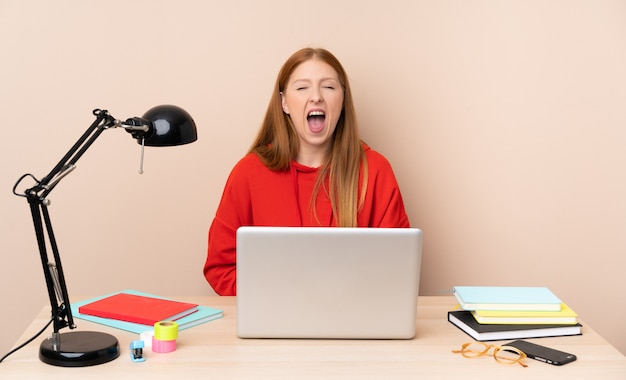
{"x": 316, "y": 120}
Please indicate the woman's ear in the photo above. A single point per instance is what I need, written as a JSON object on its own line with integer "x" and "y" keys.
{"x": 284, "y": 103}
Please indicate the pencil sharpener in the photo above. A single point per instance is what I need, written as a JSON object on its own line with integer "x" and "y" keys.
{"x": 136, "y": 351}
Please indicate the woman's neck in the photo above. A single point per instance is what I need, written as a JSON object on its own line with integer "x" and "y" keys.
{"x": 312, "y": 157}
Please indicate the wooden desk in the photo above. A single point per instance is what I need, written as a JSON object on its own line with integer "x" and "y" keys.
{"x": 213, "y": 351}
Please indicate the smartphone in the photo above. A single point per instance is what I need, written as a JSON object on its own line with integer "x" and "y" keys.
{"x": 542, "y": 353}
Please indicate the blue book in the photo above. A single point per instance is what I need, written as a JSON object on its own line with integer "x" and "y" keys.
{"x": 203, "y": 315}
{"x": 507, "y": 298}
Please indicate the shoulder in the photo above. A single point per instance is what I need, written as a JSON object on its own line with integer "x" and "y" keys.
{"x": 375, "y": 160}
{"x": 248, "y": 163}
{"x": 250, "y": 168}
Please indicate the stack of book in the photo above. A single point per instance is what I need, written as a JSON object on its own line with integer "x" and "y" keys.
{"x": 137, "y": 311}
{"x": 497, "y": 313}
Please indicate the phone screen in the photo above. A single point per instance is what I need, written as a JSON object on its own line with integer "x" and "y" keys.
{"x": 543, "y": 353}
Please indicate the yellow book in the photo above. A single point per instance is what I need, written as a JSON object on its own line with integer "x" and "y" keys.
{"x": 566, "y": 316}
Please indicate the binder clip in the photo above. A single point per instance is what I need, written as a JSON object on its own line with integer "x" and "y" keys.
{"x": 136, "y": 351}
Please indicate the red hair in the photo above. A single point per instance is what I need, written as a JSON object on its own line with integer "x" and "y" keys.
{"x": 277, "y": 143}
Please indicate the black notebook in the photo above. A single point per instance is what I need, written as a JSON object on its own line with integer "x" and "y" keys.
{"x": 464, "y": 320}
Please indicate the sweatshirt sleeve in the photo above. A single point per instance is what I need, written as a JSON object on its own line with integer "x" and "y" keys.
{"x": 232, "y": 212}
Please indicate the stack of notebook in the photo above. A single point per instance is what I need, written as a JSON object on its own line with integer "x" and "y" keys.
{"x": 137, "y": 311}
{"x": 497, "y": 313}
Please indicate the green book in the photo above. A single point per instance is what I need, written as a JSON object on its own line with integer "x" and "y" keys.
{"x": 507, "y": 298}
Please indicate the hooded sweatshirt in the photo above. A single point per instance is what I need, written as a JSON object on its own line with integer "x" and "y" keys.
{"x": 257, "y": 196}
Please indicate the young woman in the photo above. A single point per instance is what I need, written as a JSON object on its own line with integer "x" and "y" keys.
{"x": 307, "y": 167}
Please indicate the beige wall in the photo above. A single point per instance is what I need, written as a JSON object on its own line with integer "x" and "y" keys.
{"x": 504, "y": 120}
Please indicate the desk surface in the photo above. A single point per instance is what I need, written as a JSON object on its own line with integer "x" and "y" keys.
{"x": 212, "y": 350}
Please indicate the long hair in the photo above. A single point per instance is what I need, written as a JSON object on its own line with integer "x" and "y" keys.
{"x": 277, "y": 143}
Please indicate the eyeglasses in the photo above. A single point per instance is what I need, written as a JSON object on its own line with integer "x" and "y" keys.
{"x": 502, "y": 354}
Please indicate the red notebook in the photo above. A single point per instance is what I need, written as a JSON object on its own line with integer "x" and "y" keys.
{"x": 138, "y": 309}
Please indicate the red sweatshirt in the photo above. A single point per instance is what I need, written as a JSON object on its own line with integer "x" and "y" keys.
{"x": 257, "y": 196}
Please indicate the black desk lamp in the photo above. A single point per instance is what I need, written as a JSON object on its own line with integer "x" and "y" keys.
{"x": 161, "y": 126}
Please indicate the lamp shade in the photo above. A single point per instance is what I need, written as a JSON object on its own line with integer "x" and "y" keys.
{"x": 169, "y": 125}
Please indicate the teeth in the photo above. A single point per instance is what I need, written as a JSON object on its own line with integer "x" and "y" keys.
{"x": 316, "y": 113}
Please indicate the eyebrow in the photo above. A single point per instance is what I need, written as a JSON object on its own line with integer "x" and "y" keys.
{"x": 310, "y": 80}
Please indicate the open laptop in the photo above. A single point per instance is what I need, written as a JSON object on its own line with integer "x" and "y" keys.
{"x": 327, "y": 283}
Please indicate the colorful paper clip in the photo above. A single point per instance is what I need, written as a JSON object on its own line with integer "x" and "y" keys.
{"x": 136, "y": 351}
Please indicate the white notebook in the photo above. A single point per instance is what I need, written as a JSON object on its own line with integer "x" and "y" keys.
{"x": 327, "y": 283}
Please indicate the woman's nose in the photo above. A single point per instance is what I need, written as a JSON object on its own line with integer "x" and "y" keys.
{"x": 316, "y": 97}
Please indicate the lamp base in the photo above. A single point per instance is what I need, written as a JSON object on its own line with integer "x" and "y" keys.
{"x": 80, "y": 349}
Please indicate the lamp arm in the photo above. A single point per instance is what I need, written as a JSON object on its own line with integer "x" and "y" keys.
{"x": 36, "y": 196}
{"x": 52, "y": 270}
{"x": 103, "y": 121}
